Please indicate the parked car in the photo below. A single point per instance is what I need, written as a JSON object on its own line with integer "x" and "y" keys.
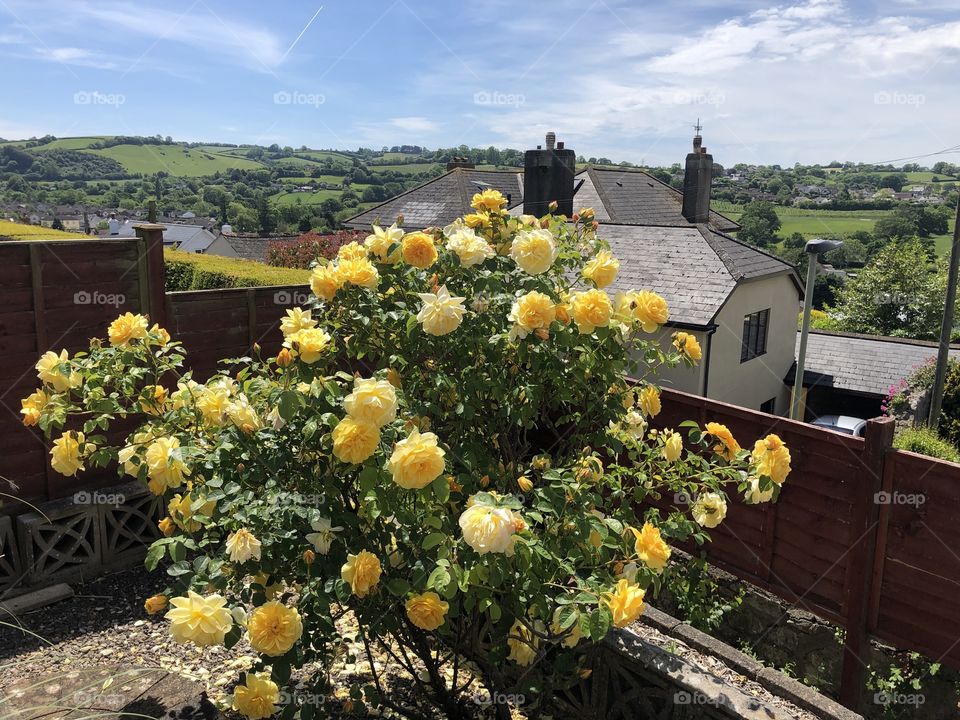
{"x": 843, "y": 424}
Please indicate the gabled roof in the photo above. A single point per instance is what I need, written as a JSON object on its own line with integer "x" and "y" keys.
{"x": 254, "y": 248}
{"x": 189, "y": 238}
{"x": 693, "y": 267}
{"x": 617, "y": 195}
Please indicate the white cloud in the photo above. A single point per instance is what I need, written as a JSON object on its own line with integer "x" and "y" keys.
{"x": 414, "y": 124}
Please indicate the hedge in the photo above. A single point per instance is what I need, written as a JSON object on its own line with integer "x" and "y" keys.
{"x": 926, "y": 442}
{"x": 193, "y": 271}
{"x": 22, "y": 231}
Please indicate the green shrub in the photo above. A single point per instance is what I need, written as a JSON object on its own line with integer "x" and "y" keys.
{"x": 191, "y": 271}
{"x": 926, "y": 442}
{"x": 950, "y": 410}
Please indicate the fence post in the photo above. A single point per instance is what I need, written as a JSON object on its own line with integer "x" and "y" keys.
{"x": 859, "y": 575}
{"x": 152, "y": 236}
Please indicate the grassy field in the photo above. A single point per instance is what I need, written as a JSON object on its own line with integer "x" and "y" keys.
{"x": 73, "y": 143}
{"x": 285, "y": 198}
{"x": 174, "y": 159}
{"x": 410, "y": 168}
{"x": 19, "y": 231}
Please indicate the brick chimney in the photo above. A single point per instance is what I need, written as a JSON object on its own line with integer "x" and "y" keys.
{"x": 460, "y": 162}
{"x": 548, "y": 176}
{"x": 696, "y": 182}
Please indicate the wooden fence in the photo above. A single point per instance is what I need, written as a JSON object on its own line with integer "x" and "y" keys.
{"x": 863, "y": 535}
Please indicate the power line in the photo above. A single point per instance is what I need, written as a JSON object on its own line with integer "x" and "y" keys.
{"x": 945, "y": 151}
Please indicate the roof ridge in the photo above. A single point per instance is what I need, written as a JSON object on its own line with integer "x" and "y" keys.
{"x": 727, "y": 261}
{"x": 602, "y": 194}
{"x": 916, "y": 342}
{"x": 395, "y": 197}
{"x": 724, "y": 235}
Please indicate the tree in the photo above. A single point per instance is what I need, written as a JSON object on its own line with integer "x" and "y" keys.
{"x": 759, "y": 224}
{"x": 242, "y": 218}
{"x": 894, "y": 181}
{"x": 266, "y": 216}
{"x": 57, "y": 224}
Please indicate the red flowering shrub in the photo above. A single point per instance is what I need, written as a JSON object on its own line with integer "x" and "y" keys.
{"x": 308, "y": 247}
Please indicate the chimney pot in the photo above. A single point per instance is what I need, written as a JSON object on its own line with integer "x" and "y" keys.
{"x": 551, "y": 140}
{"x": 548, "y": 178}
{"x": 560, "y": 145}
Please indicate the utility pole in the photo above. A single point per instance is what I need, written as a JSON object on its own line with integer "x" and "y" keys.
{"x": 943, "y": 354}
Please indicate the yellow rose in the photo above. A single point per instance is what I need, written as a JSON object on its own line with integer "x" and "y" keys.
{"x": 688, "y": 345}
{"x": 242, "y": 414}
{"x": 427, "y": 611}
{"x": 382, "y": 240}
{"x": 181, "y": 510}
{"x": 602, "y": 269}
{"x": 754, "y": 495}
{"x": 523, "y": 644}
{"x": 32, "y": 407}
{"x": 200, "y": 620}
{"x": 441, "y": 313}
{"x": 709, "y": 510}
{"x": 650, "y": 309}
{"x": 534, "y": 251}
{"x": 649, "y": 401}
{"x": 524, "y": 483}
{"x": 469, "y": 247}
{"x": 127, "y": 327}
{"x": 165, "y": 466}
{"x": 373, "y": 401}
{"x": 167, "y": 527}
{"x": 728, "y": 447}
{"x": 296, "y": 319}
{"x": 625, "y": 602}
{"x": 155, "y": 604}
{"x": 325, "y": 281}
{"x": 49, "y": 370}
{"x": 66, "y": 455}
{"x": 242, "y": 545}
{"x": 352, "y": 251}
{"x": 212, "y": 402}
{"x": 489, "y": 200}
{"x": 257, "y": 698}
{"x": 416, "y": 460}
{"x": 490, "y": 529}
{"x": 354, "y": 440}
{"x": 161, "y": 335}
{"x": 591, "y": 309}
{"x": 533, "y": 311}
{"x": 309, "y": 345}
{"x": 477, "y": 220}
{"x": 274, "y": 628}
{"x": 418, "y": 250}
{"x": 771, "y": 458}
{"x": 650, "y": 547}
{"x": 361, "y": 572}
{"x": 154, "y": 399}
{"x": 360, "y": 272}
{"x": 672, "y": 445}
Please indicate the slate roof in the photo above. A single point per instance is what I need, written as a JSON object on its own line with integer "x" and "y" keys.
{"x": 189, "y": 238}
{"x": 254, "y": 248}
{"x": 693, "y": 267}
{"x": 617, "y": 195}
{"x": 862, "y": 363}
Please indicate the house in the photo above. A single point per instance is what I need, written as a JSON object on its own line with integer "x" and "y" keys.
{"x": 740, "y": 302}
{"x": 247, "y": 247}
{"x": 177, "y": 236}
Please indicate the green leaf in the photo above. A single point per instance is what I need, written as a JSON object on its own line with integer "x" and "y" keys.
{"x": 432, "y": 540}
{"x": 398, "y": 586}
{"x": 289, "y": 404}
{"x": 439, "y": 579}
{"x": 368, "y": 478}
{"x": 441, "y": 488}
{"x": 153, "y": 556}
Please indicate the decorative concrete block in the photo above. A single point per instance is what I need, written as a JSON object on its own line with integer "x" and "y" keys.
{"x": 61, "y": 543}
{"x": 11, "y": 562}
{"x": 129, "y": 524}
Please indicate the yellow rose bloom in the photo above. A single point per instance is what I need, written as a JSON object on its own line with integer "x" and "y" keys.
{"x": 427, "y": 611}
{"x": 167, "y": 527}
{"x": 672, "y": 445}
{"x": 295, "y": 320}
{"x": 382, "y": 240}
{"x": 181, "y": 510}
{"x": 771, "y": 458}
{"x": 477, "y": 220}
{"x": 66, "y": 455}
{"x": 531, "y": 312}
{"x": 127, "y": 327}
{"x": 32, "y": 407}
{"x": 709, "y": 510}
{"x": 490, "y": 529}
{"x": 523, "y": 644}
{"x": 49, "y": 371}
{"x": 212, "y": 402}
{"x": 154, "y": 604}
{"x": 650, "y": 547}
{"x": 416, "y": 461}
{"x": 309, "y": 345}
{"x": 274, "y": 628}
{"x": 649, "y": 401}
{"x": 360, "y": 272}
{"x": 534, "y": 251}
{"x": 200, "y": 620}
{"x": 352, "y": 251}
{"x": 591, "y": 309}
{"x": 728, "y": 447}
{"x": 754, "y": 495}
{"x": 688, "y": 345}
{"x": 325, "y": 281}
{"x": 361, "y": 572}
{"x": 165, "y": 467}
{"x": 489, "y": 200}
{"x": 650, "y": 309}
{"x": 373, "y": 401}
{"x": 625, "y": 602}
{"x": 242, "y": 545}
{"x": 355, "y": 440}
{"x": 153, "y": 399}
{"x": 257, "y": 698}
{"x": 441, "y": 313}
{"x": 602, "y": 269}
{"x": 162, "y": 336}
{"x": 418, "y": 249}
{"x": 243, "y": 414}
{"x": 469, "y": 247}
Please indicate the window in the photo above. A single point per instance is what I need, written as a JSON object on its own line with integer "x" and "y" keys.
{"x": 754, "y": 335}
{"x": 770, "y": 406}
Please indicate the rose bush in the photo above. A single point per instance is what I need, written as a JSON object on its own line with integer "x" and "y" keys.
{"x": 446, "y": 447}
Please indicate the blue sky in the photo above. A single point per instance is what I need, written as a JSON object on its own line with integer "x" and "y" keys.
{"x": 805, "y": 80}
